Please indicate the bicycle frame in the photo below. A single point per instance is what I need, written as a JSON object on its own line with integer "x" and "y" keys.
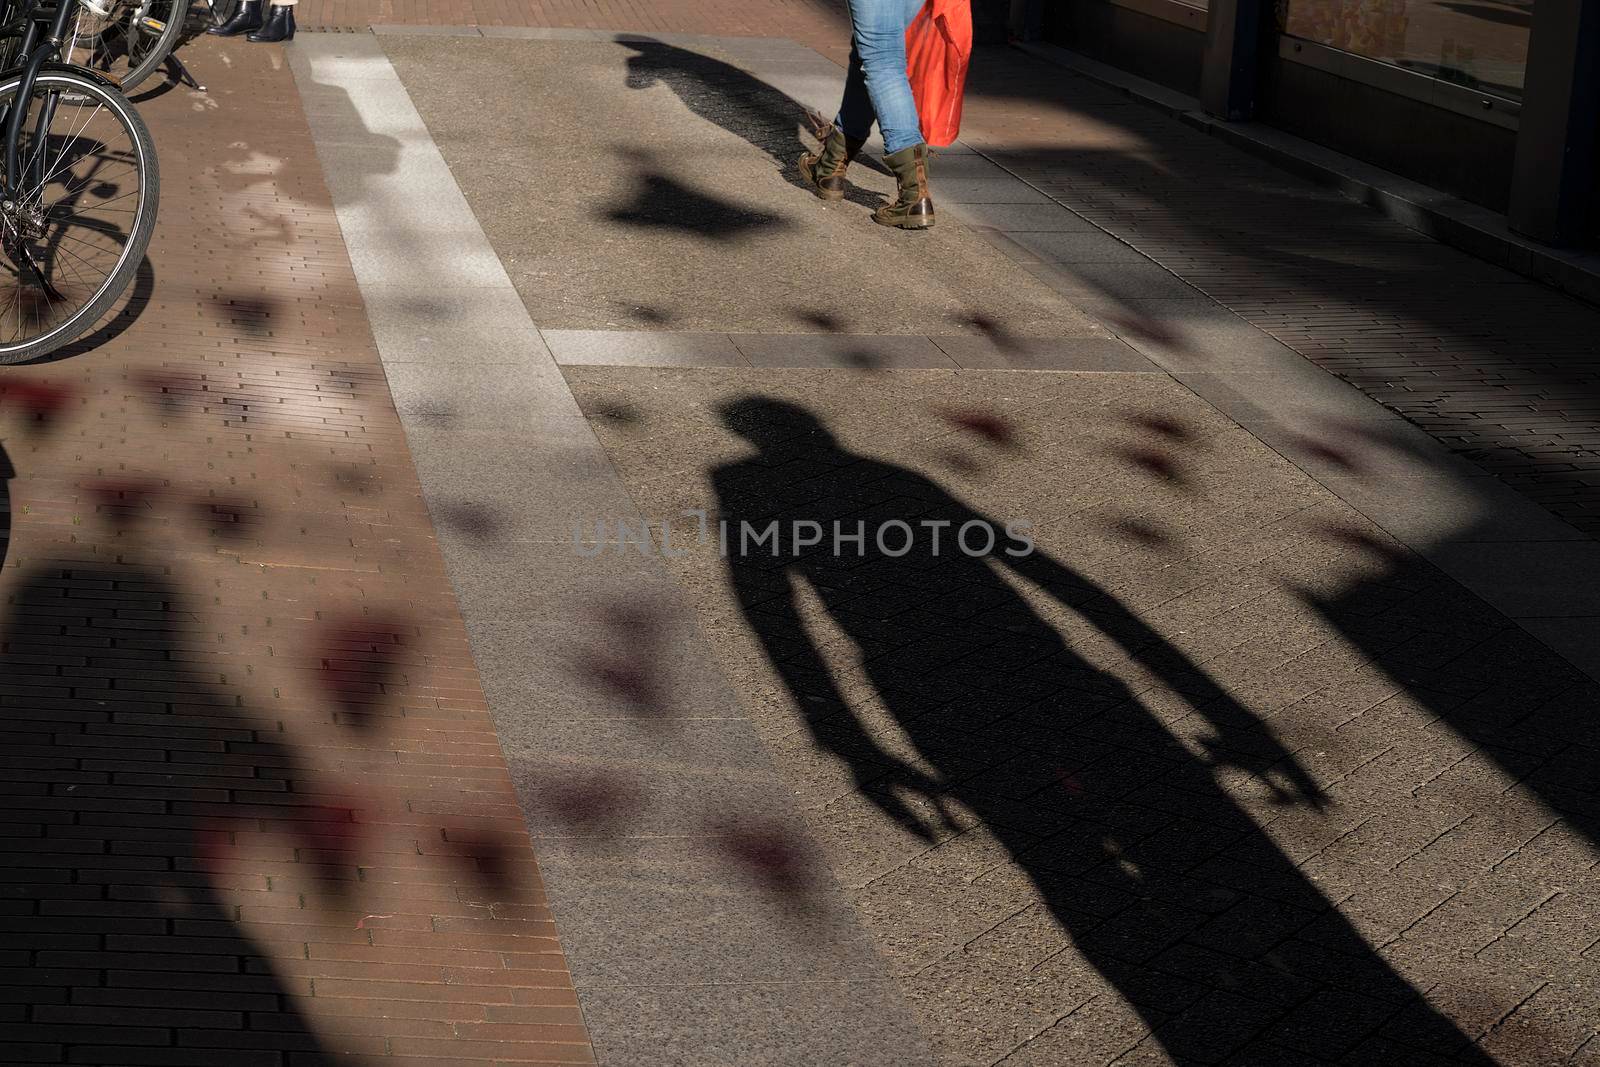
{"x": 34, "y": 22}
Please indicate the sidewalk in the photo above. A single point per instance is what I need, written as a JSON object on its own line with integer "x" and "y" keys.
{"x": 1500, "y": 369}
{"x": 1227, "y": 772}
{"x": 330, "y": 739}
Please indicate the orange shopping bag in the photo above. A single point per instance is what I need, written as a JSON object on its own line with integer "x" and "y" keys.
{"x": 938, "y": 49}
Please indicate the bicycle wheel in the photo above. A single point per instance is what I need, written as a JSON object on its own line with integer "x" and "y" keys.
{"x": 81, "y": 215}
{"x": 127, "y": 39}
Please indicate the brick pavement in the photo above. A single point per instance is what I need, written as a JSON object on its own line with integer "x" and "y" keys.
{"x": 256, "y": 811}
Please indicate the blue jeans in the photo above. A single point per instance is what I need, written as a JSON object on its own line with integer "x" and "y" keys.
{"x": 877, "y": 86}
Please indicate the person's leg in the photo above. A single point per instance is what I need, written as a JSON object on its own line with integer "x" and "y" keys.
{"x": 824, "y": 171}
{"x": 877, "y": 87}
{"x": 855, "y": 116}
{"x": 879, "y": 38}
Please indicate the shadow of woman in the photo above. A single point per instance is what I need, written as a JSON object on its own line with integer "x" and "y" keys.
{"x": 124, "y": 769}
{"x": 1166, "y": 886}
{"x": 737, "y": 101}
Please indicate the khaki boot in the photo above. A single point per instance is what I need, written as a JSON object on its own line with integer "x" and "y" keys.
{"x": 913, "y": 209}
{"x": 824, "y": 171}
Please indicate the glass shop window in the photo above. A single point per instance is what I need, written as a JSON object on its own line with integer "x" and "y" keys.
{"x": 1480, "y": 44}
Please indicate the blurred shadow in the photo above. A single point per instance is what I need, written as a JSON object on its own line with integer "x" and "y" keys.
{"x": 1165, "y": 884}
{"x": 170, "y": 79}
{"x": 125, "y": 782}
{"x": 739, "y": 102}
{"x": 663, "y": 203}
{"x": 7, "y": 472}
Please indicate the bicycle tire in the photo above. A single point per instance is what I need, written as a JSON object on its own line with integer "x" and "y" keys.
{"x": 141, "y": 229}
{"x": 177, "y": 13}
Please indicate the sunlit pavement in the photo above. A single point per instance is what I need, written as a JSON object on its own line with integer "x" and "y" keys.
{"x": 1277, "y": 746}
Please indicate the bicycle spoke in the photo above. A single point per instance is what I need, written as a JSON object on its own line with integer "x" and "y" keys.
{"x": 123, "y": 43}
{"x": 57, "y": 168}
{"x": 69, "y": 194}
{"x": 43, "y": 141}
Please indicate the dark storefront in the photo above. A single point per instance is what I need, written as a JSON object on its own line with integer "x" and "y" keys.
{"x": 1440, "y": 91}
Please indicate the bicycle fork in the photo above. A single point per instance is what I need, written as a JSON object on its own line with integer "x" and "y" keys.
{"x": 38, "y": 53}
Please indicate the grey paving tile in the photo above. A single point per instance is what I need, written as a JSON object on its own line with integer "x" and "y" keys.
{"x": 373, "y": 112}
{"x": 1421, "y": 507}
{"x": 1045, "y": 354}
{"x": 735, "y": 1025}
{"x": 381, "y": 127}
{"x": 531, "y": 664}
{"x": 1191, "y": 333}
{"x": 661, "y": 778}
{"x": 1078, "y": 248}
{"x": 402, "y": 29}
{"x": 662, "y": 891}
{"x": 1530, "y": 579}
{"x": 462, "y": 347}
{"x": 1006, "y": 190}
{"x": 1193, "y": 308}
{"x": 1122, "y": 281}
{"x": 1019, "y": 218}
{"x": 545, "y": 583}
{"x": 858, "y": 351}
{"x": 545, "y": 33}
{"x": 394, "y": 260}
{"x": 1294, "y": 396}
{"x": 372, "y": 213}
{"x": 643, "y": 348}
{"x": 482, "y": 396}
{"x": 539, "y": 484}
{"x": 948, "y": 167}
{"x": 1576, "y": 639}
{"x": 407, "y": 308}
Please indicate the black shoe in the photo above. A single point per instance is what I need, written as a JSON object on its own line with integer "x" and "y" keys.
{"x": 247, "y": 18}
{"x": 278, "y": 27}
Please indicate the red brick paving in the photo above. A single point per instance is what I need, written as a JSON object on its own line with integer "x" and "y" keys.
{"x": 256, "y": 809}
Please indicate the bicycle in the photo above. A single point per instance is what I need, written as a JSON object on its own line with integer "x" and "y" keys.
{"x": 79, "y": 187}
{"x": 126, "y": 39}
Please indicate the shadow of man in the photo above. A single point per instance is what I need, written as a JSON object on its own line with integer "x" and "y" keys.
{"x": 7, "y": 472}
{"x": 1164, "y": 883}
{"x": 125, "y": 774}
